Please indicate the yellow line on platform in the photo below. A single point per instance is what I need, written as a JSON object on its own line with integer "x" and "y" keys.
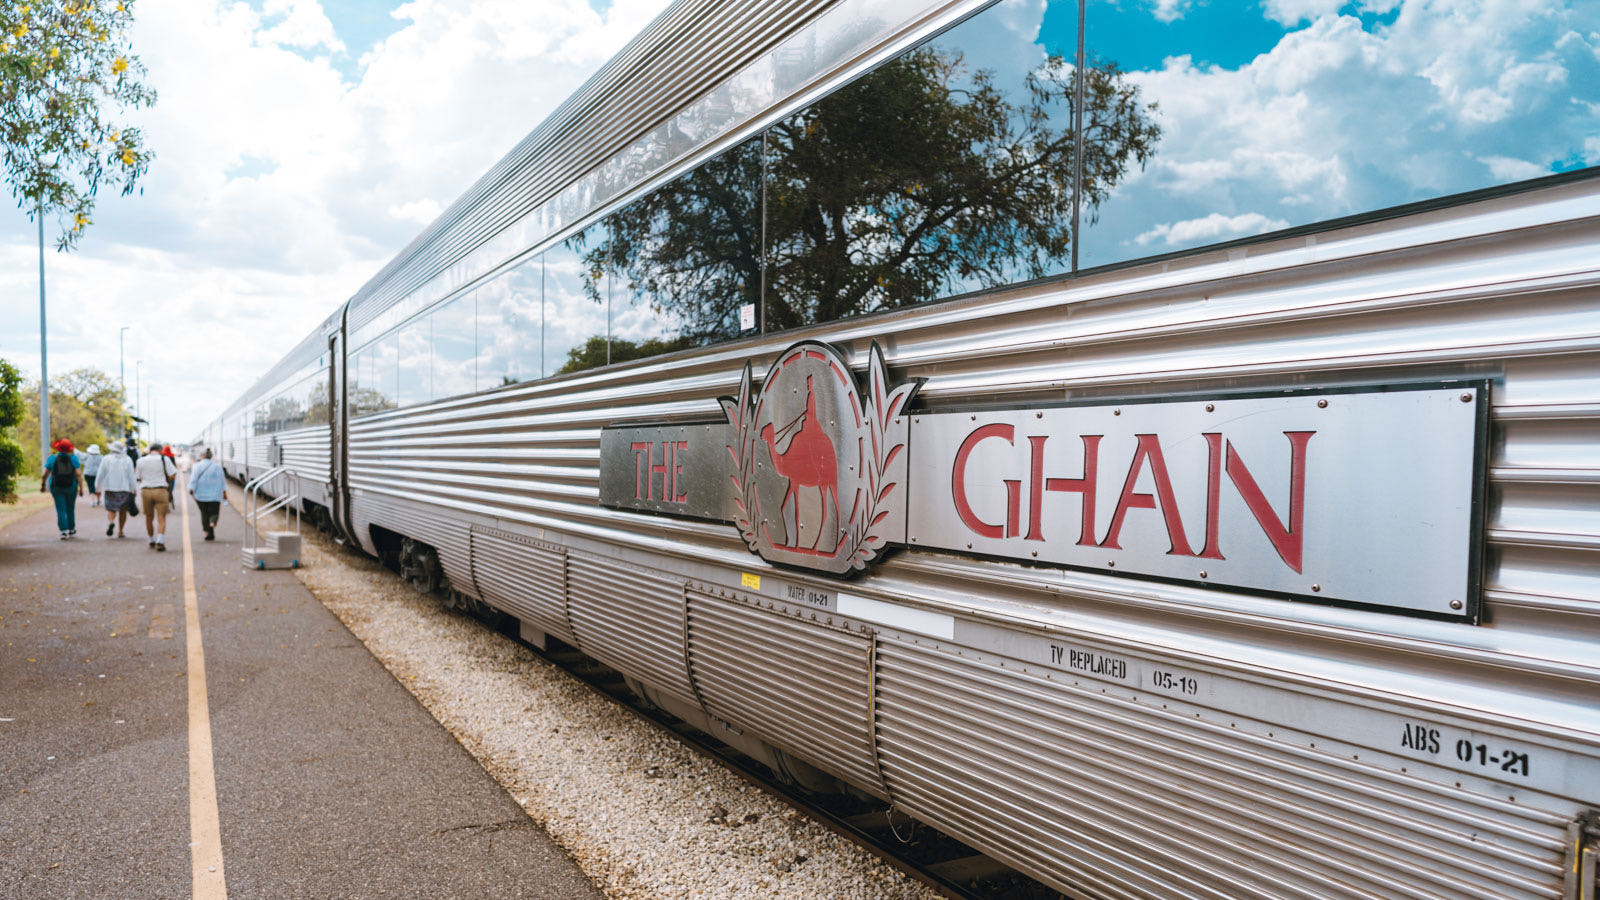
{"x": 205, "y": 830}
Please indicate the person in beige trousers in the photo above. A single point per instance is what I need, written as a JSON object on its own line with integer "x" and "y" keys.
{"x": 153, "y": 471}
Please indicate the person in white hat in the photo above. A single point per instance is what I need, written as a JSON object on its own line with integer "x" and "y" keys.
{"x": 91, "y": 468}
{"x": 116, "y": 483}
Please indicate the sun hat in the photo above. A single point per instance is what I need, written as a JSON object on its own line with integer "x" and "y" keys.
{"x": 94, "y": 449}
{"x": 119, "y": 447}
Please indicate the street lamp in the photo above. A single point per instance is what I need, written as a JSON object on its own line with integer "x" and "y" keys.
{"x": 138, "y": 367}
{"x": 122, "y": 375}
{"x": 44, "y": 353}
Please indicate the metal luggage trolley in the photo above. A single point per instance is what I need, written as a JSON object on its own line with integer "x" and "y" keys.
{"x": 275, "y": 549}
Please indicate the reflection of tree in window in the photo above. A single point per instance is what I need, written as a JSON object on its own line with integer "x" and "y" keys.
{"x": 921, "y": 179}
{"x": 317, "y": 403}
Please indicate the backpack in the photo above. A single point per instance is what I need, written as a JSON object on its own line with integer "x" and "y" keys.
{"x": 61, "y": 471}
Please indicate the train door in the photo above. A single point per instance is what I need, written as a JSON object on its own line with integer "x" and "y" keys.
{"x": 338, "y": 422}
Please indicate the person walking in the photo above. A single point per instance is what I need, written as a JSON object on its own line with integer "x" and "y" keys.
{"x": 208, "y": 488}
{"x": 166, "y": 450}
{"x": 153, "y": 471}
{"x": 63, "y": 478}
{"x": 91, "y": 469}
{"x": 117, "y": 483}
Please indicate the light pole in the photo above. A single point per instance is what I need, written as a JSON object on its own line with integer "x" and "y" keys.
{"x": 138, "y": 366}
{"x": 122, "y": 375}
{"x": 44, "y": 353}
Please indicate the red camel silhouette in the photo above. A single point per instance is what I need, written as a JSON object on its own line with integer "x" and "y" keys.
{"x": 808, "y": 462}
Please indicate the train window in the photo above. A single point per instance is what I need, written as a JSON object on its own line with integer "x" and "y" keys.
{"x": 455, "y": 350}
{"x": 315, "y": 393}
{"x": 414, "y": 362}
{"x": 509, "y": 327}
{"x": 685, "y": 258}
{"x": 945, "y": 170}
{"x": 576, "y": 321}
{"x": 1276, "y": 115}
{"x": 375, "y": 386}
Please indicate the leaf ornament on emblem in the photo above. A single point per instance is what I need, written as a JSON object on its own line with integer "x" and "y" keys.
{"x": 818, "y": 469}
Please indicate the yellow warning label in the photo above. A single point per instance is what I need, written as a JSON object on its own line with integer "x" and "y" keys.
{"x": 753, "y": 582}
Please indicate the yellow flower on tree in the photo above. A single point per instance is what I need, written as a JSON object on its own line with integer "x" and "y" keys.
{"x": 120, "y": 65}
{"x": 127, "y": 157}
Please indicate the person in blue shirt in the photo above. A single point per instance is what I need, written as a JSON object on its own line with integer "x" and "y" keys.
{"x": 63, "y": 478}
{"x": 207, "y": 487}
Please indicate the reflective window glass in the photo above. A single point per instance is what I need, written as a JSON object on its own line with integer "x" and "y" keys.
{"x": 315, "y": 393}
{"x": 414, "y": 362}
{"x": 576, "y": 323}
{"x": 509, "y": 327}
{"x": 1276, "y": 115}
{"x": 945, "y": 170}
{"x": 685, "y": 258}
{"x": 455, "y": 349}
{"x": 376, "y": 388}
{"x": 284, "y": 411}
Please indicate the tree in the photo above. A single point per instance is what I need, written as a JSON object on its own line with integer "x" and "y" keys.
{"x": 70, "y": 418}
{"x": 12, "y": 458}
{"x": 593, "y": 352}
{"x": 918, "y": 180}
{"x": 99, "y": 393}
{"x": 66, "y": 69}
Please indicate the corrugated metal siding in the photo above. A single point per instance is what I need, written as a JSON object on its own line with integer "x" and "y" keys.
{"x": 257, "y": 458}
{"x": 630, "y": 619}
{"x": 306, "y": 452}
{"x": 1076, "y": 785}
{"x": 804, "y": 686}
{"x": 524, "y": 577}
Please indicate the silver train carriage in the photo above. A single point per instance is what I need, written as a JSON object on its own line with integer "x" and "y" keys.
{"x": 1230, "y": 525}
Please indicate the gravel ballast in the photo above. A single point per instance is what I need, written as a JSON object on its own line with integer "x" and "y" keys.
{"x": 644, "y": 815}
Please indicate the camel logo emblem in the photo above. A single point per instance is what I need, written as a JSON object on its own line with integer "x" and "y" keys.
{"x": 818, "y": 470}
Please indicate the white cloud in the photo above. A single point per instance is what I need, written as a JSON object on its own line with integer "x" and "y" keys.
{"x": 281, "y": 184}
{"x": 1211, "y": 228}
{"x": 1292, "y": 12}
{"x": 421, "y": 211}
{"x": 303, "y": 25}
{"x": 1504, "y": 168}
{"x": 1340, "y": 117}
{"x": 1169, "y": 10}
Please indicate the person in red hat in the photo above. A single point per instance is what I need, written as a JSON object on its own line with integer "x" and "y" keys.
{"x": 63, "y": 478}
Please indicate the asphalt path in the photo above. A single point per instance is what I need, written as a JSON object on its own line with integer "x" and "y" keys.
{"x": 330, "y": 779}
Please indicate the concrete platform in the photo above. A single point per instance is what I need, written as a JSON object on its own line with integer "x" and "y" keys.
{"x": 330, "y": 779}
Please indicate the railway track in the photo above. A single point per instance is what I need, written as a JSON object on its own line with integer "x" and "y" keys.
{"x": 921, "y": 852}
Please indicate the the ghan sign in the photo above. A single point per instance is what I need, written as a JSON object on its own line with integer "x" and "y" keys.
{"x": 1356, "y": 495}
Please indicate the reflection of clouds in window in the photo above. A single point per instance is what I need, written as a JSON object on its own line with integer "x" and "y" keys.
{"x": 508, "y": 327}
{"x": 1350, "y": 113}
{"x": 637, "y": 322}
{"x": 415, "y": 363}
{"x": 571, "y": 318}
{"x": 455, "y": 352}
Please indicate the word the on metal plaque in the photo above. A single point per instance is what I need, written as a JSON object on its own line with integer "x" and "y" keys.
{"x": 1356, "y": 496}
